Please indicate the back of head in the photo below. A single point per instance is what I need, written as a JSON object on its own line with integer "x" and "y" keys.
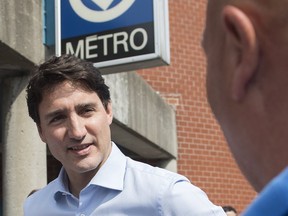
{"x": 66, "y": 68}
{"x": 246, "y": 44}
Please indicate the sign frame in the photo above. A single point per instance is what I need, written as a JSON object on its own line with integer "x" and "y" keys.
{"x": 161, "y": 55}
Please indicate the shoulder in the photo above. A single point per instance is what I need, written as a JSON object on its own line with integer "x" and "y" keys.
{"x": 40, "y": 198}
{"x": 142, "y": 169}
{"x": 162, "y": 182}
{"x": 273, "y": 199}
{"x": 170, "y": 189}
{"x": 141, "y": 176}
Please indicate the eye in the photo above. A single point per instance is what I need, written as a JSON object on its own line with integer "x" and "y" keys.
{"x": 56, "y": 119}
{"x": 87, "y": 111}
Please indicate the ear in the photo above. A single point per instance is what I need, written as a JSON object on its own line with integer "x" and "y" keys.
{"x": 109, "y": 112}
{"x": 40, "y": 133}
{"x": 242, "y": 36}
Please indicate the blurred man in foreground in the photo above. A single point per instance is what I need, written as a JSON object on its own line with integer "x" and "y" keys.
{"x": 246, "y": 45}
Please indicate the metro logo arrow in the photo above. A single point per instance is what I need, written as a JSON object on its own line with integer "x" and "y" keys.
{"x": 101, "y": 16}
{"x": 103, "y": 4}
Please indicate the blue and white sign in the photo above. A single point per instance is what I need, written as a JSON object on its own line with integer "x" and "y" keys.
{"x": 116, "y": 35}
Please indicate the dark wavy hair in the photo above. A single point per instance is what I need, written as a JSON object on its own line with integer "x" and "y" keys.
{"x": 59, "y": 69}
{"x": 229, "y": 208}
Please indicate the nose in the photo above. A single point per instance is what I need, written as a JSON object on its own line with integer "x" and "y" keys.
{"x": 76, "y": 128}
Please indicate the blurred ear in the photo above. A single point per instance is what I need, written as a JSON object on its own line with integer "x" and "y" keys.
{"x": 40, "y": 133}
{"x": 241, "y": 36}
{"x": 109, "y": 112}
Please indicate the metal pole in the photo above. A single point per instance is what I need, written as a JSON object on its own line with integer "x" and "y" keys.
{"x": 57, "y": 27}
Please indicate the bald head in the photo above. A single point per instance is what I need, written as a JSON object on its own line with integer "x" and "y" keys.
{"x": 246, "y": 45}
{"x": 266, "y": 14}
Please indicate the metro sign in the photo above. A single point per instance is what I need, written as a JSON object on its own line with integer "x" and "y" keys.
{"x": 116, "y": 35}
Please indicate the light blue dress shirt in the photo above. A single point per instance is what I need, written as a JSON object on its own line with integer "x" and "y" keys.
{"x": 273, "y": 200}
{"x": 121, "y": 187}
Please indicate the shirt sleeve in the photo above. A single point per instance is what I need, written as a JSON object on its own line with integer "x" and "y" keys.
{"x": 273, "y": 199}
{"x": 183, "y": 198}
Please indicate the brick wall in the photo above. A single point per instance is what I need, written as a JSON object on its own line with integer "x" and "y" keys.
{"x": 203, "y": 153}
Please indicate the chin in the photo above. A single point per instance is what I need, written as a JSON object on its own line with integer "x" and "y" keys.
{"x": 256, "y": 184}
{"x": 257, "y": 178}
{"x": 87, "y": 166}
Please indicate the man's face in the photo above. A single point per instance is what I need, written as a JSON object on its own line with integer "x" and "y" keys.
{"x": 75, "y": 125}
{"x": 231, "y": 213}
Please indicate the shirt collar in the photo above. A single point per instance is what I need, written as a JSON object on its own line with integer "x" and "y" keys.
{"x": 110, "y": 175}
{"x": 60, "y": 184}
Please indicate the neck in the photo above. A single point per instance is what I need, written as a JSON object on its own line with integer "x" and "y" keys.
{"x": 79, "y": 181}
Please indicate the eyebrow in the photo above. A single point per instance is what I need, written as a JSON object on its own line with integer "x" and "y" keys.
{"x": 54, "y": 113}
{"x": 77, "y": 108}
{"x": 85, "y": 105}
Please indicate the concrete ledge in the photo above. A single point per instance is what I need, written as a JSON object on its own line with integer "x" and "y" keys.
{"x": 8, "y": 67}
{"x": 143, "y": 122}
{"x": 21, "y": 28}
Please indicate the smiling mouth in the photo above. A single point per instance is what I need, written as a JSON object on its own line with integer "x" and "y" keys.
{"x": 79, "y": 147}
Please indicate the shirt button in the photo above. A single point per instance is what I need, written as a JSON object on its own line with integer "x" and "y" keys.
{"x": 82, "y": 214}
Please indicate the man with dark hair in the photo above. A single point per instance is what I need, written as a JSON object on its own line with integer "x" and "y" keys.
{"x": 70, "y": 103}
{"x": 246, "y": 45}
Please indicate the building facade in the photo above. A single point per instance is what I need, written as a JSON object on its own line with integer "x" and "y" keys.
{"x": 161, "y": 114}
